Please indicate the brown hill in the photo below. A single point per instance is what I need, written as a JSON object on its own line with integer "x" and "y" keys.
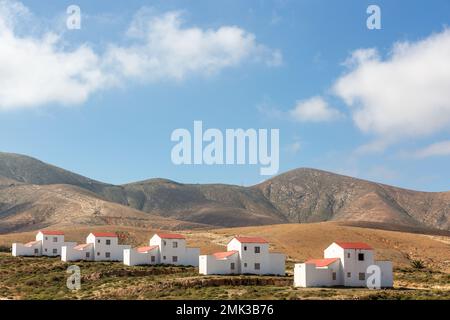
{"x": 31, "y": 207}
{"x": 302, "y": 195}
{"x": 308, "y": 195}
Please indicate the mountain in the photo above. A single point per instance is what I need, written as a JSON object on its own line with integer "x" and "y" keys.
{"x": 298, "y": 196}
{"x": 30, "y": 207}
{"x": 308, "y": 195}
{"x": 29, "y": 170}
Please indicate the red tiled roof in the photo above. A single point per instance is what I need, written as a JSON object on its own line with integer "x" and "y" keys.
{"x": 170, "y": 236}
{"x": 322, "y": 262}
{"x": 146, "y": 249}
{"x": 31, "y": 243}
{"x": 82, "y": 246}
{"x": 354, "y": 245}
{"x": 52, "y": 232}
{"x": 104, "y": 234}
{"x": 223, "y": 255}
{"x": 250, "y": 239}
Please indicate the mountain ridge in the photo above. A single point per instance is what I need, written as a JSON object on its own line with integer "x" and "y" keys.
{"x": 298, "y": 196}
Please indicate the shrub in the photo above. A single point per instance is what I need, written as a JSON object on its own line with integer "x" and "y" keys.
{"x": 417, "y": 264}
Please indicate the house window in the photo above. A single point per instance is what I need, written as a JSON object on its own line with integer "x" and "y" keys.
{"x": 232, "y": 266}
{"x": 257, "y": 249}
{"x": 88, "y": 254}
{"x": 257, "y": 266}
{"x": 175, "y": 244}
{"x": 55, "y": 251}
{"x": 164, "y": 242}
{"x": 348, "y": 255}
{"x": 46, "y": 238}
{"x": 152, "y": 258}
{"x": 45, "y": 250}
{"x": 245, "y": 248}
{"x": 55, "y": 239}
{"x": 98, "y": 241}
{"x": 360, "y": 256}
{"x": 174, "y": 259}
{"x": 36, "y": 251}
{"x": 107, "y": 254}
{"x": 245, "y": 265}
{"x": 362, "y": 276}
{"x": 349, "y": 274}
{"x": 334, "y": 276}
{"x": 164, "y": 257}
{"x": 108, "y": 242}
{"x": 98, "y": 253}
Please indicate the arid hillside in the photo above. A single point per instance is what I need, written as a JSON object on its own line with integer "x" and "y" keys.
{"x": 31, "y": 207}
{"x": 34, "y": 194}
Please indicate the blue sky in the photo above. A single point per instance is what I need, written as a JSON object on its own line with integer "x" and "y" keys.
{"x": 284, "y": 69}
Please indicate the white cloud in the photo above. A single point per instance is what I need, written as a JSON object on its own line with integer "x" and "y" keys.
{"x": 315, "y": 109}
{"x": 294, "y": 147}
{"x": 436, "y": 149}
{"x": 166, "y": 49}
{"x": 36, "y": 69}
{"x": 404, "y": 95}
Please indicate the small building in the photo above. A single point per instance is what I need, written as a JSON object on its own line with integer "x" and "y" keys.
{"x": 244, "y": 255}
{"x": 344, "y": 264}
{"x": 99, "y": 246}
{"x": 163, "y": 248}
{"x": 47, "y": 243}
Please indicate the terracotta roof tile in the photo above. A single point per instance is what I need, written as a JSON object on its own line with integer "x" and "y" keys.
{"x": 224, "y": 255}
{"x": 146, "y": 249}
{"x": 31, "y": 243}
{"x": 82, "y": 246}
{"x": 322, "y": 262}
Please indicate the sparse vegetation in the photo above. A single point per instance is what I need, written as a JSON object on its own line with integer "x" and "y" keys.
{"x": 417, "y": 264}
{"x": 45, "y": 278}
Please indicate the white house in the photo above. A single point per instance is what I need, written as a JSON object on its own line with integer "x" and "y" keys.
{"x": 164, "y": 248}
{"x": 99, "y": 246}
{"x": 244, "y": 255}
{"x": 344, "y": 264}
{"x": 47, "y": 243}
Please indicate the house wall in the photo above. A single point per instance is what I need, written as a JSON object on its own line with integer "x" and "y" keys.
{"x": 191, "y": 257}
{"x": 350, "y": 264}
{"x": 168, "y": 251}
{"x": 276, "y": 264}
{"x": 183, "y": 254}
{"x": 101, "y": 248}
{"x": 48, "y": 245}
{"x": 51, "y": 244}
{"x": 68, "y": 253}
{"x": 208, "y": 264}
{"x": 248, "y": 258}
{"x": 132, "y": 257}
{"x": 19, "y": 249}
{"x": 387, "y": 277}
{"x": 307, "y": 275}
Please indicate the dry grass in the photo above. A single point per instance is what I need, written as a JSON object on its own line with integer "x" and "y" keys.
{"x": 44, "y": 278}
